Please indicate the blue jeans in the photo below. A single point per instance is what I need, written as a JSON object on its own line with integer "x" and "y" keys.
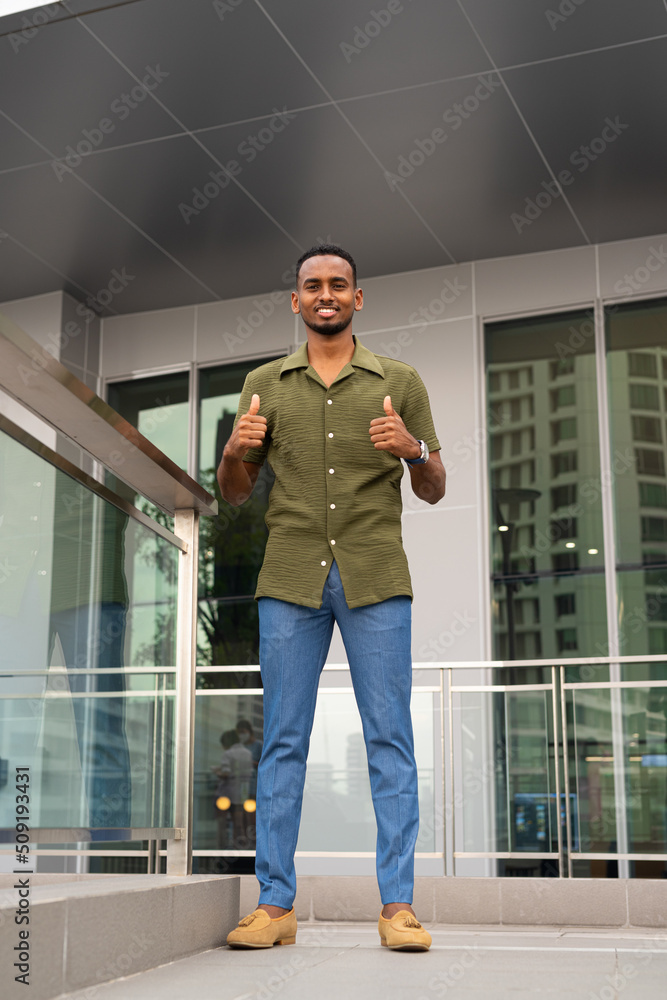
{"x": 294, "y": 642}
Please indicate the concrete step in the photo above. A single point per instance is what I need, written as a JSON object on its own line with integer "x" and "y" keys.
{"x": 85, "y": 930}
{"x": 576, "y": 902}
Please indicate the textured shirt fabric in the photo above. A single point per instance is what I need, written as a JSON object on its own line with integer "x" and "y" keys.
{"x": 335, "y": 495}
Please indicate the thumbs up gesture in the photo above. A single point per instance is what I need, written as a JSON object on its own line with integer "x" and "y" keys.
{"x": 389, "y": 433}
{"x": 249, "y": 432}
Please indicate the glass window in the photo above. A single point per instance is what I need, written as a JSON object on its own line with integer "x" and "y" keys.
{"x": 563, "y": 496}
{"x": 643, "y": 396}
{"x": 231, "y": 545}
{"x": 636, "y": 336}
{"x": 646, "y": 429}
{"x": 563, "y": 430}
{"x": 650, "y": 462}
{"x": 642, "y": 364}
{"x": 566, "y": 639}
{"x": 564, "y": 396}
{"x": 565, "y": 605}
{"x": 564, "y": 366}
{"x": 654, "y": 529}
{"x": 562, "y": 462}
{"x": 563, "y": 551}
{"x": 652, "y": 495}
{"x": 158, "y": 407}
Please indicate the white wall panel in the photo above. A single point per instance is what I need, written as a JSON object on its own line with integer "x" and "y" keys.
{"x": 241, "y": 328}
{"x": 415, "y": 298}
{"x": 634, "y": 267}
{"x": 143, "y": 341}
{"x": 535, "y": 282}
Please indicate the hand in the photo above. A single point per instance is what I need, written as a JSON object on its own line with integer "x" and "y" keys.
{"x": 389, "y": 433}
{"x": 249, "y": 432}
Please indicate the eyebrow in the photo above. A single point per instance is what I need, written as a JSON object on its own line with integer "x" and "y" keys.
{"x": 337, "y": 278}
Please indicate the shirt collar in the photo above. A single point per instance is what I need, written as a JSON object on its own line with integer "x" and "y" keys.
{"x": 362, "y": 358}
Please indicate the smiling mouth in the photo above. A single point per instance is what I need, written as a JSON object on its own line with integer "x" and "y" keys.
{"x": 326, "y": 311}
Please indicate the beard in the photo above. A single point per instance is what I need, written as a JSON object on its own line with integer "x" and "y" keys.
{"x": 330, "y": 327}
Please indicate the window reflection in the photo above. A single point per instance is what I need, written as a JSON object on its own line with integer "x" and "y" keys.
{"x": 546, "y": 532}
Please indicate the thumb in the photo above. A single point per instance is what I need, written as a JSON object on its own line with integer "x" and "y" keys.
{"x": 254, "y": 405}
{"x": 388, "y": 408}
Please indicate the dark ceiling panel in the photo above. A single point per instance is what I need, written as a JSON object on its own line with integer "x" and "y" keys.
{"x": 21, "y": 273}
{"x": 220, "y": 70}
{"x": 318, "y": 180}
{"x": 177, "y": 194}
{"x": 618, "y": 170}
{"x": 65, "y": 90}
{"x": 223, "y": 67}
{"x": 520, "y": 31}
{"x": 15, "y": 148}
{"x": 366, "y": 49}
{"x": 80, "y": 236}
{"x": 470, "y": 179}
{"x": 18, "y": 29}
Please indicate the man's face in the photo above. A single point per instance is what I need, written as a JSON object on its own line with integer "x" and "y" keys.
{"x": 325, "y": 295}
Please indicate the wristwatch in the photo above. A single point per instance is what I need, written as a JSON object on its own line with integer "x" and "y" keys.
{"x": 423, "y": 457}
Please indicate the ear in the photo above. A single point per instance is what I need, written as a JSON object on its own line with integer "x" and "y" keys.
{"x": 358, "y": 299}
{"x": 296, "y": 308}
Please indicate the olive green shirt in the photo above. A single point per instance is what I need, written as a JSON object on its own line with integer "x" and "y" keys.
{"x": 335, "y": 495}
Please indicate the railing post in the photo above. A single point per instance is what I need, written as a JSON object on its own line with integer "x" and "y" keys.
{"x": 179, "y": 852}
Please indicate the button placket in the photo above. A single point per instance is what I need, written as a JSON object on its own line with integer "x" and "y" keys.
{"x": 331, "y": 465}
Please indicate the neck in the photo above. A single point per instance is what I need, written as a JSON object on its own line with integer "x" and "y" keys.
{"x": 329, "y": 350}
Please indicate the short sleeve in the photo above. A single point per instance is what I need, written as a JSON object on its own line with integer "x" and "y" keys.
{"x": 416, "y": 413}
{"x": 256, "y": 455}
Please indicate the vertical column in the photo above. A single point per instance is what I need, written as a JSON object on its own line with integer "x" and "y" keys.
{"x": 616, "y": 695}
{"x": 179, "y": 852}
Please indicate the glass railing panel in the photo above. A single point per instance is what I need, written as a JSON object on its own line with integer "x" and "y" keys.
{"x": 337, "y": 807}
{"x": 505, "y": 788}
{"x": 591, "y": 771}
{"x": 645, "y": 742}
{"x": 86, "y": 591}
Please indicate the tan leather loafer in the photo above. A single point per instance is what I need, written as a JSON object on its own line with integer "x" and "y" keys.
{"x": 403, "y": 932}
{"x": 259, "y": 930}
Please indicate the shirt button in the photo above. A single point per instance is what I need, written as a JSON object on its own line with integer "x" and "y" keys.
{"x": 333, "y": 506}
{"x": 331, "y": 471}
{"x": 329, "y": 401}
{"x": 324, "y": 562}
{"x": 330, "y": 434}
{"x": 333, "y": 541}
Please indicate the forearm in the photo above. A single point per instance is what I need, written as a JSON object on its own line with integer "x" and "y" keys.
{"x": 234, "y": 480}
{"x": 428, "y": 480}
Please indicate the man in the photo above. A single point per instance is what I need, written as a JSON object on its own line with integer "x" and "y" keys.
{"x": 334, "y": 422}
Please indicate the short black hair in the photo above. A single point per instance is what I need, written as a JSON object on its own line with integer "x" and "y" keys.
{"x": 326, "y": 250}
{"x": 245, "y": 725}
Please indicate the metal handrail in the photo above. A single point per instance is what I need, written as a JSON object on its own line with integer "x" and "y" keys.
{"x": 32, "y": 376}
